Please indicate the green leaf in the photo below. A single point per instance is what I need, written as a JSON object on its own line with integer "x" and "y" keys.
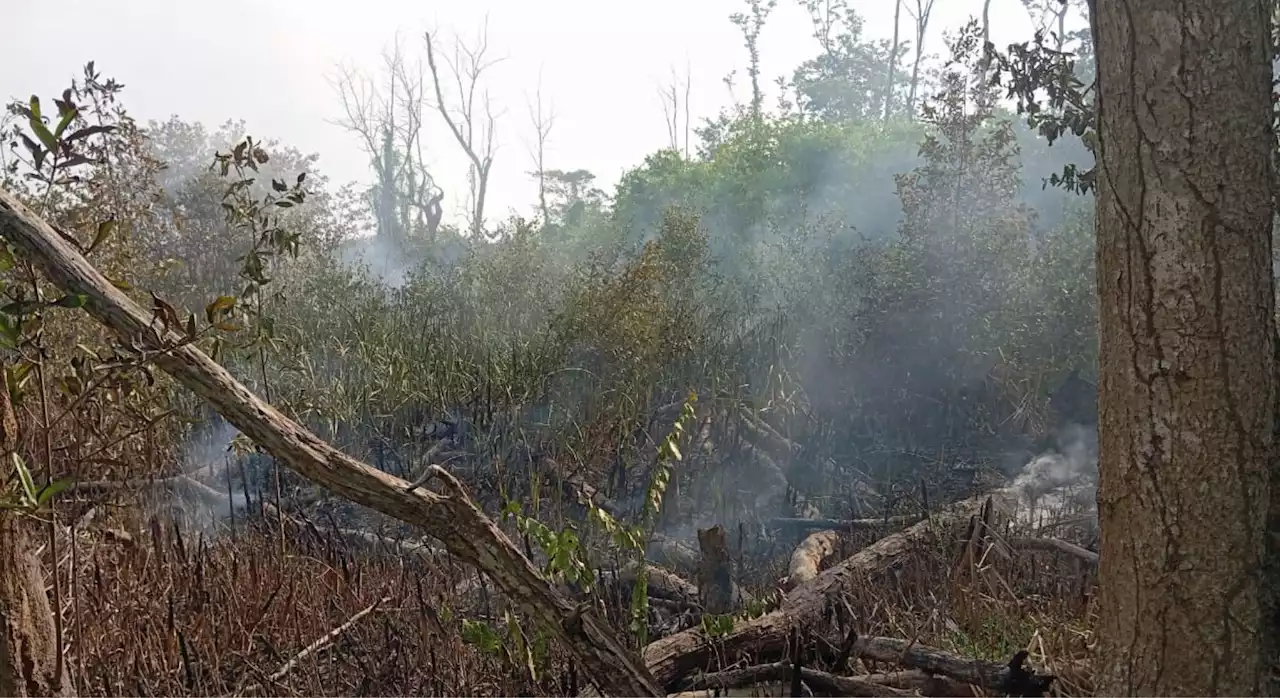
{"x": 52, "y": 489}
{"x": 68, "y": 116}
{"x": 6, "y": 258}
{"x": 37, "y": 126}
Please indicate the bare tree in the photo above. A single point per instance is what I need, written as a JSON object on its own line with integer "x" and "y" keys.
{"x": 388, "y": 120}
{"x": 893, "y": 59}
{"x": 923, "y": 8}
{"x": 542, "y": 121}
{"x": 675, "y": 97}
{"x": 1051, "y": 15}
{"x": 471, "y": 120}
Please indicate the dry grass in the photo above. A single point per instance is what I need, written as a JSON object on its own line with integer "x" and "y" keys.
{"x": 161, "y": 610}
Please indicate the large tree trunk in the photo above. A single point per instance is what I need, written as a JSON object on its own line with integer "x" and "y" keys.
{"x": 1187, "y": 388}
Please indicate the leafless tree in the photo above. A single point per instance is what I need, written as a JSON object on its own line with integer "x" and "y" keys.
{"x": 542, "y": 121}
{"x": 388, "y": 119}
{"x": 923, "y": 8}
{"x": 1051, "y": 15}
{"x": 471, "y": 118}
{"x": 675, "y": 109}
{"x": 893, "y": 59}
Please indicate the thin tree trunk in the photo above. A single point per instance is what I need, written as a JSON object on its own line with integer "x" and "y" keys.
{"x": 893, "y": 60}
{"x": 1187, "y": 391}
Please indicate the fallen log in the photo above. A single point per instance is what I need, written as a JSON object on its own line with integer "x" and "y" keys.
{"x": 780, "y": 671}
{"x": 180, "y": 484}
{"x": 842, "y": 524}
{"x": 675, "y": 656}
{"x": 1056, "y": 545}
{"x": 923, "y": 682}
{"x": 671, "y": 553}
{"x": 1011, "y": 678}
{"x": 663, "y": 584}
{"x": 452, "y": 517}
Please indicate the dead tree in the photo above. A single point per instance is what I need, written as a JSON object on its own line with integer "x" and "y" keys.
{"x": 676, "y": 111}
{"x": 471, "y": 120}
{"x": 451, "y": 516}
{"x": 542, "y": 125}
{"x": 389, "y": 122}
{"x": 920, "y": 15}
{"x": 893, "y": 59}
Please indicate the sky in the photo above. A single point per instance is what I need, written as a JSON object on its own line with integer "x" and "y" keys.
{"x": 599, "y": 65}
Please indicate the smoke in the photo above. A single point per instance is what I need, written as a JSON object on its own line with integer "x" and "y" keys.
{"x": 381, "y": 259}
{"x": 1065, "y": 477}
{"x": 207, "y": 495}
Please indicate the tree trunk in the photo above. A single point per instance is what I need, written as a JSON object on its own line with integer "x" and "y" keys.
{"x": 28, "y": 645}
{"x": 28, "y": 637}
{"x": 893, "y": 60}
{"x": 1187, "y": 390}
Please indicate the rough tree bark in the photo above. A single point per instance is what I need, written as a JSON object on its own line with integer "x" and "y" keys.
{"x": 28, "y": 635}
{"x": 1184, "y": 216}
{"x": 451, "y": 517}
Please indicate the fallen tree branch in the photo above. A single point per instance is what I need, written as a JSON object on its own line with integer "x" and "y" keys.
{"x": 843, "y": 524}
{"x": 1011, "y": 678}
{"x": 923, "y": 682}
{"x": 319, "y": 644}
{"x": 1056, "y": 545}
{"x": 180, "y": 483}
{"x": 780, "y": 671}
{"x": 452, "y": 518}
{"x": 675, "y": 656}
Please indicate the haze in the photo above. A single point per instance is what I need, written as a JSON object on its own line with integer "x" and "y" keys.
{"x": 601, "y": 64}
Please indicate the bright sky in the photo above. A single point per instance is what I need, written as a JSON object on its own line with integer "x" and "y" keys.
{"x": 267, "y": 62}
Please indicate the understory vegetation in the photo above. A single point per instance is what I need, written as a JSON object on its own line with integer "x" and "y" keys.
{"x": 856, "y": 308}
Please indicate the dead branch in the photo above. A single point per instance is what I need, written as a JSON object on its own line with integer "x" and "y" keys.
{"x": 179, "y": 483}
{"x": 922, "y": 682}
{"x": 843, "y": 524}
{"x": 452, "y": 518}
{"x": 672, "y": 553}
{"x": 663, "y": 584}
{"x": 1055, "y": 545}
{"x": 319, "y": 644}
{"x": 1011, "y": 678}
{"x": 780, "y": 671}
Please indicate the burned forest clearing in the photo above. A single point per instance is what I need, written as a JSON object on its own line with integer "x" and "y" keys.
{"x": 851, "y": 396}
